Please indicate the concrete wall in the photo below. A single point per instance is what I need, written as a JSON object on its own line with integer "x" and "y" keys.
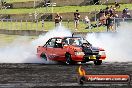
{"x": 119, "y": 1}
{"x": 29, "y": 4}
{"x": 28, "y": 17}
{"x": 31, "y": 32}
{"x": 85, "y": 2}
{"x": 67, "y": 2}
{"x": 65, "y": 16}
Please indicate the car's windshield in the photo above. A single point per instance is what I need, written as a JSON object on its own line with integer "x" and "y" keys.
{"x": 74, "y": 41}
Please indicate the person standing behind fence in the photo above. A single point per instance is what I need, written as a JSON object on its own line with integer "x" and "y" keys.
{"x": 116, "y": 19}
{"x": 102, "y": 19}
{"x": 76, "y": 19}
{"x": 117, "y": 5}
{"x": 110, "y": 22}
{"x": 58, "y": 20}
{"x": 87, "y": 21}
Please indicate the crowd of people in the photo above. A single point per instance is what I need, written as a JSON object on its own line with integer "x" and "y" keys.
{"x": 107, "y": 17}
{"x": 58, "y": 19}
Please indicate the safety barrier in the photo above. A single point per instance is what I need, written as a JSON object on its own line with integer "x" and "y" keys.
{"x": 42, "y": 25}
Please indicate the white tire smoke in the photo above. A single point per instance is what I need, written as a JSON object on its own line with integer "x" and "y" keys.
{"x": 118, "y": 45}
{"x": 23, "y": 51}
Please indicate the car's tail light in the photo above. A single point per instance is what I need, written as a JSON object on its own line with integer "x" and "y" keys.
{"x": 101, "y": 52}
{"x": 101, "y": 49}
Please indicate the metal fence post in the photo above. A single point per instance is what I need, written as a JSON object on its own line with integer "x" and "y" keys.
{"x": 2, "y": 23}
{"x": 26, "y": 25}
{"x": 68, "y": 21}
{"x": 115, "y": 24}
{"x": 7, "y": 24}
{"x": 95, "y": 16}
{"x": 21, "y": 25}
{"x": 31, "y": 24}
{"x": 89, "y": 24}
{"x": 16, "y": 25}
{"x": 36, "y": 26}
{"x": 97, "y": 21}
{"x": 123, "y": 19}
{"x": 11, "y": 24}
{"x": 42, "y": 24}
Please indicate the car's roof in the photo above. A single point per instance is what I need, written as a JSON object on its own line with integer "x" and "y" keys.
{"x": 66, "y": 37}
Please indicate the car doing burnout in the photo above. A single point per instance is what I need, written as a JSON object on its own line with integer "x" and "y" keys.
{"x": 71, "y": 50}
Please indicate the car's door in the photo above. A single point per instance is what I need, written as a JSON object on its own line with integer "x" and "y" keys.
{"x": 59, "y": 51}
{"x": 49, "y": 46}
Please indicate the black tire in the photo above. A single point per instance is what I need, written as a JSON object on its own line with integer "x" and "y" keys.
{"x": 98, "y": 62}
{"x": 81, "y": 80}
{"x": 68, "y": 59}
{"x": 83, "y": 62}
{"x": 43, "y": 56}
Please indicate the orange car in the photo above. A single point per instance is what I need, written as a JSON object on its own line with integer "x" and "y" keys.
{"x": 71, "y": 50}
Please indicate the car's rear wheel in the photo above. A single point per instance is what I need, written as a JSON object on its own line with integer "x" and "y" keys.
{"x": 98, "y": 62}
{"x": 68, "y": 59}
{"x": 43, "y": 56}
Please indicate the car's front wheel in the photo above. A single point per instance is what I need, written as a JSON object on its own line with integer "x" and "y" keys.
{"x": 98, "y": 62}
{"x": 43, "y": 56}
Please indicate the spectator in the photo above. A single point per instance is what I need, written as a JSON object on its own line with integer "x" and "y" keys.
{"x": 117, "y": 5}
{"x": 102, "y": 19}
{"x": 107, "y": 11}
{"x": 110, "y": 22}
{"x": 2, "y": 2}
{"x": 58, "y": 20}
{"x": 111, "y": 10}
{"x": 76, "y": 19}
{"x": 116, "y": 19}
{"x": 101, "y": 12}
{"x": 125, "y": 13}
{"x": 87, "y": 21}
{"x": 114, "y": 10}
{"x": 46, "y": 3}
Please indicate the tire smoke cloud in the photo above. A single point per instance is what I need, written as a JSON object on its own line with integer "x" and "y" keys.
{"x": 118, "y": 45}
{"x": 22, "y": 50}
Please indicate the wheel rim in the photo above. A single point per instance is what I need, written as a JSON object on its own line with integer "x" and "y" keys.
{"x": 44, "y": 57}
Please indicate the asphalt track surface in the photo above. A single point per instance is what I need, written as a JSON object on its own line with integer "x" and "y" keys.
{"x": 65, "y": 76}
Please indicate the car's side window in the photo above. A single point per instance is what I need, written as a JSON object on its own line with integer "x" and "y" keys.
{"x": 65, "y": 42}
{"x": 51, "y": 43}
{"x": 58, "y": 43}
